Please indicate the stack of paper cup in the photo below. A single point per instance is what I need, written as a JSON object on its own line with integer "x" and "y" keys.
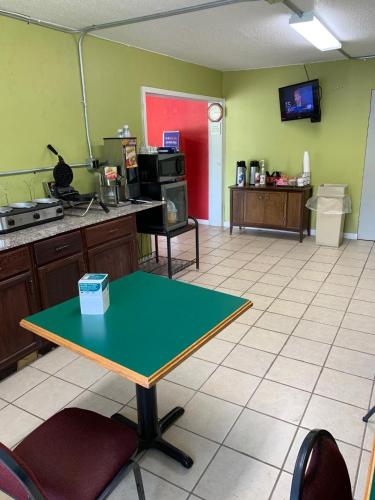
{"x": 306, "y": 168}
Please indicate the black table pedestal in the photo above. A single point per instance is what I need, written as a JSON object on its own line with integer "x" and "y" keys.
{"x": 150, "y": 429}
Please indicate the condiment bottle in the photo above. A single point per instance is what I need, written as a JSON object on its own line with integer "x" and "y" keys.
{"x": 262, "y": 179}
{"x": 126, "y": 131}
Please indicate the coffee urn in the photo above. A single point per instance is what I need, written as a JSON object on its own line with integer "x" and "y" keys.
{"x": 254, "y": 168}
{"x": 241, "y": 173}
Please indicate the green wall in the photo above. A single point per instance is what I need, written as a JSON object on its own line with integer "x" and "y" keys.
{"x": 40, "y": 102}
{"x": 337, "y": 144}
{"x": 40, "y": 98}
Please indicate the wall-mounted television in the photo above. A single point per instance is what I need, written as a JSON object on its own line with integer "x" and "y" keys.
{"x": 301, "y": 100}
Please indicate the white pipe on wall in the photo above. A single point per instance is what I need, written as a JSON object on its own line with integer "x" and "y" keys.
{"x": 84, "y": 96}
{"x": 159, "y": 15}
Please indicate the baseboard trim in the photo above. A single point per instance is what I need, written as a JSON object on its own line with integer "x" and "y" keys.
{"x": 347, "y": 236}
{"x": 203, "y": 221}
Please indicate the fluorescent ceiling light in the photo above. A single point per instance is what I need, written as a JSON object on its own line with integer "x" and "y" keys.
{"x": 312, "y": 30}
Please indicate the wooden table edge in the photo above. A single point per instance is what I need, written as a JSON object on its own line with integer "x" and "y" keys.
{"x": 126, "y": 372}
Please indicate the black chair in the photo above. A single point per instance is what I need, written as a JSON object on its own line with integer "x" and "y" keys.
{"x": 74, "y": 455}
{"x": 369, "y": 414}
{"x": 320, "y": 472}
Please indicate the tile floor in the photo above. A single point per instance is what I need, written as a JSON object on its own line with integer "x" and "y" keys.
{"x": 303, "y": 357}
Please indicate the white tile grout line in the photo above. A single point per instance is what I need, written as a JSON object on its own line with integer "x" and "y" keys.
{"x": 297, "y": 427}
{"x": 238, "y": 417}
{"x": 313, "y": 391}
{"x": 326, "y": 355}
{"x": 234, "y": 344}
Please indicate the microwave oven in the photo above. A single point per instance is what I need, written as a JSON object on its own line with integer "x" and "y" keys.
{"x": 172, "y": 214}
{"x": 161, "y": 167}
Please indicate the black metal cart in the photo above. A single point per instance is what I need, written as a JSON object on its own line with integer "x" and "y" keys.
{"x": 169, "y": 235}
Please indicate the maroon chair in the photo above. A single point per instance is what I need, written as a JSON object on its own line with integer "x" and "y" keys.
{"x": 75, "y": 455}
{"x": 320, "y": 471}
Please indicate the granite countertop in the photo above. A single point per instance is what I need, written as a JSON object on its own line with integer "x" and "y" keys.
{"x": 68, "y": 223}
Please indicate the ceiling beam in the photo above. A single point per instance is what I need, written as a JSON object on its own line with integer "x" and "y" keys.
{"x": 291, "y": 6}
{"x": 163, "y": 15}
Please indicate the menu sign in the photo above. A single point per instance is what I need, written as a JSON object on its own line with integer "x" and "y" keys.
{"x": 171, "y": 139}
{"x": 130, "y": 152}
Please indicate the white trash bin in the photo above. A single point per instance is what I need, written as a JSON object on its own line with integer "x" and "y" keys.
{"x": 331, "y": 203}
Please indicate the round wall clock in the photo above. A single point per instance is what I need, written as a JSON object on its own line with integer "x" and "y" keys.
{"x": 215, "y": 112}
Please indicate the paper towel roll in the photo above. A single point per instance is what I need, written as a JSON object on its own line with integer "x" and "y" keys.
{"x": 306, "y": 162}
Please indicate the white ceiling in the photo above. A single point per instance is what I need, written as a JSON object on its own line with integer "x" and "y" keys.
{"x": 247, "y": 35}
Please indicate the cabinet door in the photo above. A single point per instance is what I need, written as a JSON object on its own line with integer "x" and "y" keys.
{"x": 237, "y": 207}
{"x": 58, "y": 281}
{"x": 294, "y": 210}
{"x": 17, "y": 300}
{"x": 275, "y": 209}
{"x": 253, "y": 207}
{"x": 117, "y": 258}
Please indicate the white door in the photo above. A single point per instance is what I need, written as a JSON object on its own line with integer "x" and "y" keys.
{"x": 366, "y": 228}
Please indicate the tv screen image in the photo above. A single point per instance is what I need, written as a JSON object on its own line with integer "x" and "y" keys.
{"x": 301, "y": 100}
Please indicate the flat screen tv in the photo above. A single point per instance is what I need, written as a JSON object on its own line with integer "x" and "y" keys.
{"x": 301, "y": 100}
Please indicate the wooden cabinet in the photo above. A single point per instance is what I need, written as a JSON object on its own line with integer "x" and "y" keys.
{"x": 108, "y": 231}
{"x": 57, "y": 247}
{"x": 58, "y": 280}
{"x": 117, "y": 258}
{"x": 293, "y": 211}
{"x": 47, "y": 272}
{"x": 237, "y": 207}
{"x": 60, "y": 264}
{"x": 264, "y": 208}
{"x": 275, "y": 209}
{"x": 112, "y": 247}
{"x": 18, "y": 299}
{"x": 270, "y": 207}
{"x": 253, "y": 208}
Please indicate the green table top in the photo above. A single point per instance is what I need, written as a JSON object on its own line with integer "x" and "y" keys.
{"x": 152, "y": 324}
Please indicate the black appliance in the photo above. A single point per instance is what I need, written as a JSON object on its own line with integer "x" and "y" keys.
{"x": 62, "y": 189}
{"x": 172, "y": 214}
{"x": 301, "y": 100}
{"x": 31, "y": 213}
{"x": 161, "y": 167}
{"x": 121, "y": 153}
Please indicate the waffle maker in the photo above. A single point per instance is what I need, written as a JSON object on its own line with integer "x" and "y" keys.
{"x": 63, "y": 190}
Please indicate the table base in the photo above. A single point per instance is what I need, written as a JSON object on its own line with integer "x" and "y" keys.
{"x": 150, "y": 429}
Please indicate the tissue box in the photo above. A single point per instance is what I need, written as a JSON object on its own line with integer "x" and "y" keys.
{"x": 94, "y": 293}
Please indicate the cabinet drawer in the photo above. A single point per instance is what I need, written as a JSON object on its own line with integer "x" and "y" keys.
{"x": 14, "y": 262}
{"x": 109, "y": 231}
{"x": 57, "y": 247}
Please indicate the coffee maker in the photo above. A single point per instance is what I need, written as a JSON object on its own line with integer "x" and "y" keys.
{"x": 253, "y": 170}
{"x": 241, "y": 173}
{"x": 111, "y": 185}
{"x": 118, "y": 177}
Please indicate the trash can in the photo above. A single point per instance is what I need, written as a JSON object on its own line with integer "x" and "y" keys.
{"x": 331, "y": 203}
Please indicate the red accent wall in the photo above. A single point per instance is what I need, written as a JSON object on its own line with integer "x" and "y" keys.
{"x": 190, "y": 118}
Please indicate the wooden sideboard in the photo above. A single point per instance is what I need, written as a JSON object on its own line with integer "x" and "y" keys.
{"x": 44, "y": 273}
{"x": 281, "y": 208}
